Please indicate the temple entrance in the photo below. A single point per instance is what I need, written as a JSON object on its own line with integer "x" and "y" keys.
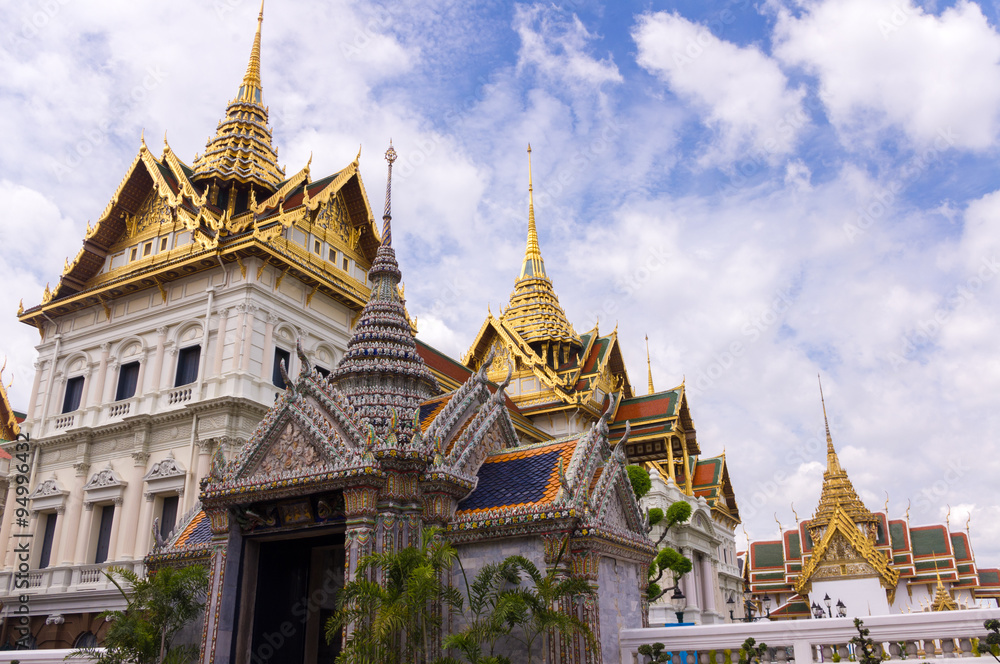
{"x": 293, "y": 585}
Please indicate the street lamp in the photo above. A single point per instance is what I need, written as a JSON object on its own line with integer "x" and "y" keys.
{"x": 731, "y": 602}
{"x": 767, "y": 604}
{"x": 841, "y": 609}
{"x": 679, "y": 602}
{"x": 817, "y": 611}
{"x": 827, "y": 601}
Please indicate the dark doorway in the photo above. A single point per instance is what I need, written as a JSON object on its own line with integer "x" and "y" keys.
{"x": 296, "y": 588}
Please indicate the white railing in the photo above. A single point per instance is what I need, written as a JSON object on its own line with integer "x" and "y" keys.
{"x": 65, "y": 421}
{"x": 922, "y": 635}
{"x": 119, "y": 409}
{"x": 180, "y": 395}
{"x": 66, "y": 579}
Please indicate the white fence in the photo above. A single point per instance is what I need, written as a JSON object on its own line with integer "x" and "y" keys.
{"x": 915, "y": 637}
{"x": 41, "y": 657}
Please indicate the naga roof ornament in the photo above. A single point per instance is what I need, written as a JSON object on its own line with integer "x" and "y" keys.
{"x": 241, "y": 149}
{"x": 381, "y": 374}
{"x": 534, "y": 311}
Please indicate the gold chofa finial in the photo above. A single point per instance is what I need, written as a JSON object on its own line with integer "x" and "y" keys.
{"x": 649, "y": 366}
{"x": 534, "y": 266}
{"x": 886, "y": 504}
{"x": 794, "y": 513}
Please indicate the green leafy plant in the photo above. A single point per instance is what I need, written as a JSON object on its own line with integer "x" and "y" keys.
{"x": 491, "y": 615}
{"x": 865, "y": 648}
{"x": 751, "y": 653}
{"x": 639, "y": 478}
{"x": 158, "y": 606}
{"x": 992, "y": 639}
{"x": 655, "y": 653}
{"x": 668, "y": 560}
{"x": 395, "y": 621}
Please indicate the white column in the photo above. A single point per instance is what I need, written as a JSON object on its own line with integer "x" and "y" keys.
{"x": 130, "y": 511}
{"x": 116, "y": 527}
{"x": 140, "y": 381}
{"x": 241, "y": 330}
{"x": 161, "y": 348}
{"x": 204, "y": 465}
{"x": 57, "y": 536}
{"x": 266, "y": 368}
{"x": 112, "y": 382}
{"x": 83, "y": 536}
{"x": 248, "y": 337}
{"x": 145, "y": 533}
{"x": 102, "y": 373}
{"x": 220, "y": 342}
{"x": 35, "y": 385}
{"x": 71, "y": 524}
{"x": 8, "y": 521}
{"x": 86, "y": 389}
{"x": 707, "y": 584}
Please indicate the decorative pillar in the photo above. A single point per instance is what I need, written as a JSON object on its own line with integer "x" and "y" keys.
{"x": 671, "y": 471}
{"x": 204, "y": 461}
{"x": 130, "y": 512}
{"x": 116, "y": 527}
{"x": 707, "y": 585}
{"x": 687, "y": 466}
{"x": 8, "y": 522}
{"x": 72, "y": 524}
{"x": 144, "y": 533}
{"x": 102, "y": 373}
{"x": 248, "y": 322}
{"x": 220, "y": 341}
{"x": 84, "y": 396}
{"x": 36, "y": 383}
{"x": 241, "y": 329}
{"x": 83, "y": 536}
{"x": 110, "y": 385}
{"x": 140, "y": 381}
{"x": 161, "y": 349}
{"x": 57, "y": 537}
{"x": 265, "y": 369}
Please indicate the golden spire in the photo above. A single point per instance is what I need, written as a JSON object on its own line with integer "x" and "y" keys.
{"x": 251, "y": 89}
{"x": 534, "y": 311}
{"x": 649, "y": 366}
{"x": 838, "y": 492}
{"x": 533, "y": 265}
{"x": 242, "y": 149}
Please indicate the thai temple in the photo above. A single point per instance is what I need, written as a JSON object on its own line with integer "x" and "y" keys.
{"x": 849, "y": 560}
{"x": 227, "y": 375}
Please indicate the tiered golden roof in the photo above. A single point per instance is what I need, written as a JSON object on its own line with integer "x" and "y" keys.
{"x": 241, "y": 149}
{"x": 838, "y": 492}
{"x": 534, "y": 311}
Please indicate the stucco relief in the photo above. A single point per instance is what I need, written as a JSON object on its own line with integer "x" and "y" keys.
{"x": 291, "y": 452}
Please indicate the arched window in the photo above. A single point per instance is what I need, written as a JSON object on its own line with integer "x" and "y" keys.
{"x": 86, "y": 640}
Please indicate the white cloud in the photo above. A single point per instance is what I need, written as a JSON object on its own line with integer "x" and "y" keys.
{"x": 557, "y": 46}
{"x": 888, "y": 63}
{"x": 743, "y": 93}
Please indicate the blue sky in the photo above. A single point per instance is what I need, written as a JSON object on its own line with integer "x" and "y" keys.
{"x": 768, "y": 189}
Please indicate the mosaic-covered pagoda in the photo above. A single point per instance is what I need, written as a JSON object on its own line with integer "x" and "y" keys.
{"x": 364, "y": 459}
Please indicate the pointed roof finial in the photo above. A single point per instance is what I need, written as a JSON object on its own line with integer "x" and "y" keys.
{"x": 832, "y": 462}
{"x": 649, "y": 366}
{"x": 390, "y": 156}
{"x": 533, "y": 266}
{"x": 251, "y": 89}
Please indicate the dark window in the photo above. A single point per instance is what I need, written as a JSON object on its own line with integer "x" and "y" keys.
{"x": 187, "y": 365}
{"x": 104, "y": 536}
{"x": 74, "y": 390}
{"x": 86, "y": 640}
{"x": 280, "y": 355}
{"x": 128, "y": 379}
{"x": 325, "y": 373}
{"x": 168, "y": 517}
{"x": 50, "y": 533}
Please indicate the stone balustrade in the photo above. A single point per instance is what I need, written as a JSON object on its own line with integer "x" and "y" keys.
{"x": 42, "y": 657}
{"x": 913, "y": 637}
{"x": 63, "y": 579}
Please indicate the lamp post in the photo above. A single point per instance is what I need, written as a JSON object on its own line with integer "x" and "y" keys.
{"x": 828, "y": 601}
{"x": 767, "y": 605}
{"x": 679, "y": 602}
{"x": 841, "y": 609}
{"x": 731, "y": 603}
{"x": 817, "y": 611}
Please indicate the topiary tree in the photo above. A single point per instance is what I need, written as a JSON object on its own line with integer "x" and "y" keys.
{"x": 991, "y": 640}
{"x": 865, "y": 647}
{"x": 751, "y": 653}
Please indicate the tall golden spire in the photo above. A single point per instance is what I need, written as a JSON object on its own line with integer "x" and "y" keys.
{"x": 534, "y": 311}
{"x": 251, "y": 89}
{"x": 649, "y": 366}
{"x": 241, "y": 150}
{"x": 838, "y": 491}
{"x": 533, "y": 265}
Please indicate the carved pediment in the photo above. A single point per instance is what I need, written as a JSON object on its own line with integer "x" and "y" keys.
{"x": 291, "y": 453}
{"x": 165, "y": 476}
